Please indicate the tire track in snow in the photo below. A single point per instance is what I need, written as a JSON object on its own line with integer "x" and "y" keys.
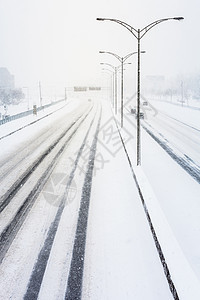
{"x": 183, "y": 160}
{"x": 15, "y": 159}
{"x": 12, "y": 191}
{"x": 37, "y": 275}
{"x": 74, "y": 284}
{"x": 11, "y": 230}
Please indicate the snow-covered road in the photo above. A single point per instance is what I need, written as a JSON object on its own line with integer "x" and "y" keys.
{"x": 177, "y": 137}
{"x": 74, "y": 225}
{"x": 177, "y": 127}
{"x": 36, "y": 184}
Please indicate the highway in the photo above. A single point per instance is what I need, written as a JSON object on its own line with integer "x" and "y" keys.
{"x": 74, "y": 219}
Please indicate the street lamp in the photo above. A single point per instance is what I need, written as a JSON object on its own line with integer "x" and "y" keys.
{"x": 115, "y": 71}
{"x": 40, "y": 91}
{"x": 113, "y": 85}
{"x": 138, "y": 34}
{"x": 122, "y": 60}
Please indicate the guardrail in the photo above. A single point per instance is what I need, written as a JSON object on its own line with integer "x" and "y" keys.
{"x": 28, "y": 112}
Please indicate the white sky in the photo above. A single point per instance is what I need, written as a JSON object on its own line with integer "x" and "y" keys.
{"x": 57, "y": 41}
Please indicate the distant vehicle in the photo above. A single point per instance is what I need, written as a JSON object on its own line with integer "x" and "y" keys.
{"x": 6, "y": 116}
{"x": 133, "y": 111}
{"x": 141, "y": 115}
{"x": 145, "y": 103}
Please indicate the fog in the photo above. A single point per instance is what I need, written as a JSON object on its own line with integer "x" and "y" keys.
{"x": 57, "y": 42}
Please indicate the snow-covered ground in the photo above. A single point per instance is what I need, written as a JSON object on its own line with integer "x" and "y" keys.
{"x": 18, "y": 123}
{"x": 188, "y": 103}
{"x": 121, "y": 259}
{"x": 177, "y": 192}
{"x": 183, "y": 113}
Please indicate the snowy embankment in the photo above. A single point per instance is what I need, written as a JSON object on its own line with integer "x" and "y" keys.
{"x": 153, "y": 179}
{"x": 185, "y": 280}
{"x": 172, "y": 199}
{"x": 184, "y": 114}
{"x": 19, "y": 129}
{"x": 110, "y": 226}
{"x": 121, "y": 260}
{"x": 18, "y": 124}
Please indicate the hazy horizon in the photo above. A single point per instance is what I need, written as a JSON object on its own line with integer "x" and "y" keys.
{"x": 58, "y": 42}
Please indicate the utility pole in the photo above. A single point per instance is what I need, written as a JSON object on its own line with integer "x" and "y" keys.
{"x": 40, "y": 91}
{"x": 182, "y": 93}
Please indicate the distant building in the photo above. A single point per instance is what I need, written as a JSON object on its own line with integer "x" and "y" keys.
{"x": 7, "y": 81}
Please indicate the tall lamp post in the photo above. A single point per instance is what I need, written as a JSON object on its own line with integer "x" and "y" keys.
{"x": 40, "y": 91}
{"x": 113, "y": 86}
{"x": 122, "y": 60}
{"x": 115, "y": 71}
{"x": 138, "y": 34}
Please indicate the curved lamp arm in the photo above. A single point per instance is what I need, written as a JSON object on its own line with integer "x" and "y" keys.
{"x": 145, "y": 29}
{"x": 151, "y": 25}
{"x": 130, "y": 54}
{"x": 113, "y": 67}
{"x": 105, "y": 69}
{"x": 130, "y": 28}
{"x": 117, "y": 56}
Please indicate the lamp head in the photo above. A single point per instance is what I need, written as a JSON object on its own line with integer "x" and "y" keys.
{"x": 178, "y": 18}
